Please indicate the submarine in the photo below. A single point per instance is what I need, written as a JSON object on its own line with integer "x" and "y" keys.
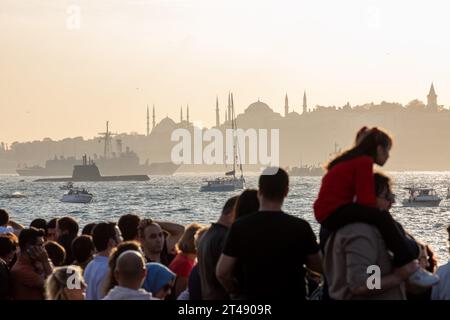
{"x": 88, "y": 171}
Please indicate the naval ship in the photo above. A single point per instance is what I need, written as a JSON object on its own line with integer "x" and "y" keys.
{"x": 88, "y": 171}
{"x": 111, "y": 163}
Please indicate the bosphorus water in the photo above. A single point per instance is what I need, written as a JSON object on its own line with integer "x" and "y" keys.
{"x": 177, "y": 198}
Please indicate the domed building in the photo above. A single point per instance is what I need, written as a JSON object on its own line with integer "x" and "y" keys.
{"x": 164, "y": 126}
{"x": 258, "y": 115}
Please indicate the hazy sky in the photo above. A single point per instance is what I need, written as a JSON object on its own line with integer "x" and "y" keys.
{"x": 56, "y": 81}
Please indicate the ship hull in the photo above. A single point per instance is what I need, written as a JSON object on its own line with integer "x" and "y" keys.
{"x": 163, "y": 168}
{"x": 99, "y": 179}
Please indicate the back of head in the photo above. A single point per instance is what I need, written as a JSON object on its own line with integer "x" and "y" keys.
{"x": 246, "y": 203}
{"x": 198, "y": 235}
{"x": 102, "y": 233}
{"x": 56, "y": 252}
{"x": 130, "y": 266}
{"x": 87, "y": 230}
{"x": 39, "y": 223}
{"x": 229, "y": 205}
{"x": 273, "y": 184}
{"x": 158, "y": 275}
{"x": 52, "y": 223}
{"x": 8, "y": 244}
{"x": 4, "y": 217}
{"x": 366, "y": 143}
{"x": 187, "y": 242}
{"x": 382, "y": 182}
{"x": 111, "y": 281}
{"x": 128, "y": 225}
{"x": 82, "y": 248}
{"x": 69, "y": 225}
{"x": 28, "y": 237}
{"x": 59, "y": 280}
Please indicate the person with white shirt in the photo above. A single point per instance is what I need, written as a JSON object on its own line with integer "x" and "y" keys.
{"x": 442, "y": 290}
{"x": 106, "y": 236}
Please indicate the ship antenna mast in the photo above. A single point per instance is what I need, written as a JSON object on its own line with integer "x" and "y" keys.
{"x": 107, "y": 137}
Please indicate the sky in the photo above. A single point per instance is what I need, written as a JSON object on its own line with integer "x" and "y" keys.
{"x": 66, "y": 67}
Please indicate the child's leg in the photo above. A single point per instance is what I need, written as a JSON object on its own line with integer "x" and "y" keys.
{"x": 395, "y": 241}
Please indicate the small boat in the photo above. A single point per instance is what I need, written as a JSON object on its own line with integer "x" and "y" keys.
{"x": 77, "y": 196}
{"x": 14, "y": 195}
{"x": 223, "y": 184}
{"x": 67, "y": 186}
{"x": 422, "y": 197}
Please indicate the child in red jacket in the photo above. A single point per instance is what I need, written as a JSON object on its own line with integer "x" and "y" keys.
{"x": 347, "y": 195}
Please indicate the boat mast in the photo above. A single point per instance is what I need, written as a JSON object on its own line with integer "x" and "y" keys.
{"x": 232, "y": 128}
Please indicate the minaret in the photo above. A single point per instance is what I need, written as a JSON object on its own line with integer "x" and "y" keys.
{"x": 232, "y": 107}
{"x": 154, "y": 118}
{"x": 432, "y": 98}
{"x": 229, "y": 107}
{"x": 148, "y": 121}
{"x": 181, "y": 114}
{"x": 226, "y": 116}
{"x": 187, "y": 114}
{"x": 305, "y": 106}
{"x": 217, "y": 112}
{"x": 286, "y": 106}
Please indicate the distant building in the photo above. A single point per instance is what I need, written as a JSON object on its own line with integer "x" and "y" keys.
{"x": 432, "y": 99}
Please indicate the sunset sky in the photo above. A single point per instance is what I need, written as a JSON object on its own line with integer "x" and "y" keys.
{"x": 57, "y": 80}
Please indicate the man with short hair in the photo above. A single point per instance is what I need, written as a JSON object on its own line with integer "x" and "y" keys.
{"x": 271, "y": 247}
{"x": 128, "y": 225}
{"x": 106, "y": 236}
{"x": 66, "y": 231}
{"x": 51, "y": 230}
{"x": 32, "y": 267}
{"x": 8, "y": 225}
{"x": 158, "y": 240}
{"x": 209, "y": 250}
{"x": 130, "y": 273}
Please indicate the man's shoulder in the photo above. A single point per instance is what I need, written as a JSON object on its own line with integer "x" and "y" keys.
{"x": 444, "y": 270}
{"x": 359, "y": 229}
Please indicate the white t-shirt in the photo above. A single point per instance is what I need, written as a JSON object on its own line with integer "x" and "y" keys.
{"x": 441, "y": 291}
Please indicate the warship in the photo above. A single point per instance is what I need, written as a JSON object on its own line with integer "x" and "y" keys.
{"x": 88, "y": 171}
{"x": 111, "y": 163}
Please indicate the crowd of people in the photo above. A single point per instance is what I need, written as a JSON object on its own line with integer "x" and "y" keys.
{"x": 253, "y": 251}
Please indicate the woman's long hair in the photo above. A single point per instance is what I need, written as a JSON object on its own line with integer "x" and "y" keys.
{"x": 366, "y": 143}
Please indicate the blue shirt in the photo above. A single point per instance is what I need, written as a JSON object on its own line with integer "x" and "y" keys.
{"x": 94, "y": 275}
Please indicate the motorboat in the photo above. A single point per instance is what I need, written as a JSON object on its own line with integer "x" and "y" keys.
{"x": 422, "y": 197}
{"x": 77, "y": 196}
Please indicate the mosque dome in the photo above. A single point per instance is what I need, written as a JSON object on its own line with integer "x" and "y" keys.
{"x": 258, "y": 107}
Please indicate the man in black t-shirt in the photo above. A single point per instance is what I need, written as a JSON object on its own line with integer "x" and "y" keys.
{"x": 271, "y": 247}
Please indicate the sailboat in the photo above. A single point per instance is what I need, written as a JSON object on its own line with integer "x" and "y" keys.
{"x": 230, "y": 182}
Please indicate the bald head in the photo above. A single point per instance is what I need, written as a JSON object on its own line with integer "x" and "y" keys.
{"x": 130, "y": 269}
